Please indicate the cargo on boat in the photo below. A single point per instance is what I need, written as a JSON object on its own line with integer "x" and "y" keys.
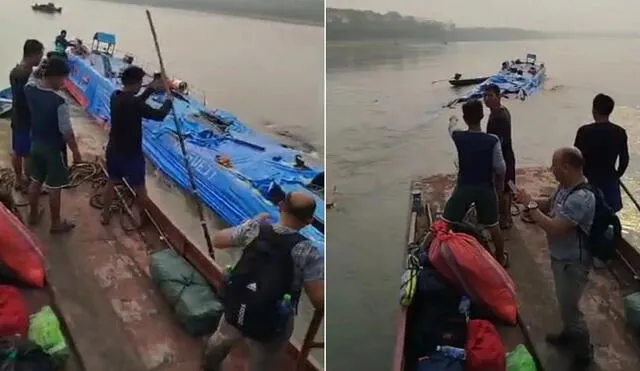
{"x": 516, "y": 79}
{"x": 239, "y": 172}
{"x": 615, "y": 346}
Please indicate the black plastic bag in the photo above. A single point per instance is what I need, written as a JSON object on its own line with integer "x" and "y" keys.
{"x": 19, "y": 354}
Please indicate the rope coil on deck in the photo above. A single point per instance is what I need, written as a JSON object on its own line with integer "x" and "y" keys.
{"x": 91, "y": 172}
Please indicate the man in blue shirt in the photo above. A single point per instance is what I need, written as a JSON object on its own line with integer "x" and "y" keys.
{"x": 20, "y": 117}
{"x": 61, "y": 42}
{"x": 125, "y": 159}
{"x": 51, "y": 133}
{"x": 481, "y": 176}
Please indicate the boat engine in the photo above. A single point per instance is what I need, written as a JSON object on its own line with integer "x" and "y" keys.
{"x": 128, "y": 59}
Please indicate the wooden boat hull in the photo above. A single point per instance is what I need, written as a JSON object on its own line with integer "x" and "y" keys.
{"x": 45, "y": 9}
{"x": 467, "y": 82}
{"x": 531, "y": 272}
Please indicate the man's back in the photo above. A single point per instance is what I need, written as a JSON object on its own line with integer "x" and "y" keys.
{"x": 18, "y": 78}
{"x": 602, "y": 144}
{"x": 48, "y": 111}
{"x": 476, "y": 154}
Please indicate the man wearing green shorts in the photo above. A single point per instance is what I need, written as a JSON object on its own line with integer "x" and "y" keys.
{"x": 51, "y": 133}
{"x": 480, "y": 176}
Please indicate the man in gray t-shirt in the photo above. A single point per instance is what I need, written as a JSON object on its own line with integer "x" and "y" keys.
{"x": 566, "y": 217}
{"x": 296, "y": 212}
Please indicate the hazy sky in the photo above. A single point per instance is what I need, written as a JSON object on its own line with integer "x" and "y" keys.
{"x": 544, "y": 15}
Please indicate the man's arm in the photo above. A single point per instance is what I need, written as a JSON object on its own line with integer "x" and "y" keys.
{"x": 155, "y": 114}
{"x": 239, "y": 236}
{"x": 64, "y": 125}
{"x": 578, "y": 142}
{"x": 499, "y": 167}
{"x": 312, "y": 266}
{"x": 574, "y": 209}
{"x": 623, "y": 155}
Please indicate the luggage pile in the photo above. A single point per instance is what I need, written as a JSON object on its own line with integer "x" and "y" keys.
{"x": 455, "y": 291}
{"x": 188, "y": 293}
{"x": 29, "y": 343}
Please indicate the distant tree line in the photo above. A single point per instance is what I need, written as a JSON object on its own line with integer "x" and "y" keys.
{"x": 351, "y": 24}
{"x": 303, "y": 11}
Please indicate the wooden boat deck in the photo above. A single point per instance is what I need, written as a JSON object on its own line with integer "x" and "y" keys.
{"x": 615, "y": 347}
{"x": 99, "y": 283}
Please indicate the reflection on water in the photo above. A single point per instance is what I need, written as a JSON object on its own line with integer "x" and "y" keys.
{"x": 359, "y": 56}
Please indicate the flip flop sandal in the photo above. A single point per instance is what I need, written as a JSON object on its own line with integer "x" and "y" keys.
{"x": 65, "y": 227}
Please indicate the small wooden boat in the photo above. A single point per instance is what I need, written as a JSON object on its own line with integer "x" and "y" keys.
{"x": 98, "y": 279}
{"x": 46, "y": 8}
{"x": 529, "y": 268}
{"x": 6, "y": 101}
{"x": 457, "y": 81}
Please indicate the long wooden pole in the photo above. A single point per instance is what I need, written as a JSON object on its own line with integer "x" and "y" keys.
{"x": 187, "y": 164}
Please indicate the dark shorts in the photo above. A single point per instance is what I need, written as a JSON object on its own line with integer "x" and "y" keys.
{"x": 612, "y": 194}
{"x": 21, "y": 142}
{"x": 129, "y": 167}
{"x": 484, "y": 198}
{"x": 49, "y": 166}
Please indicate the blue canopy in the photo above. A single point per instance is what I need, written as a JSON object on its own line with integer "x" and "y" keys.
{"x": 104, "y": 37}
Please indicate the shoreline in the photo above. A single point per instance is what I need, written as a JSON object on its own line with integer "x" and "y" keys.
{"x": 230, "y": 13}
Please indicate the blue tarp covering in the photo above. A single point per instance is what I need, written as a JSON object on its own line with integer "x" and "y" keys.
{"x": 510, "y": 84}
{"x": 104, "y": 37}
{"x": 237, "y": 194}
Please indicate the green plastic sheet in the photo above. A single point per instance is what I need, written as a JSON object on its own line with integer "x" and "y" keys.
{"x": 44, "y": 330}
{"x": 520, "y": 360}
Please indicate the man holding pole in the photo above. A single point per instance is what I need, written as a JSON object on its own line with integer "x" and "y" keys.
{"x": 125, "y": 159}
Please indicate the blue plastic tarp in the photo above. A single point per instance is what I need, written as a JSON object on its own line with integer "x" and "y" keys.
{"x": 509, "y": 84}
{"x": 236, "y": 194}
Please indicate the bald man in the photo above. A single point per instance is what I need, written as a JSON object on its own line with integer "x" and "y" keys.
{"x": 263, "y": 289}
{"x": 569, "y": 210}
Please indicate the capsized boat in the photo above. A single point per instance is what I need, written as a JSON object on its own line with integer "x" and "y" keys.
{"x": 516, "y": 79}
{"x": 250, "y": 172}
{"x": 458, "y": 81}
{"x": 46, "y": 8}
{"x": 529, "y": 263}
{"x": 6, "y": 101}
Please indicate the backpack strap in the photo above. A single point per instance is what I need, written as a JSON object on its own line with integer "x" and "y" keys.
{"x": 286, "y": 240}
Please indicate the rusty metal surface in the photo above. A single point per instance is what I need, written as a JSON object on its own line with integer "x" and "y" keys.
{"x": 615, "y": 347}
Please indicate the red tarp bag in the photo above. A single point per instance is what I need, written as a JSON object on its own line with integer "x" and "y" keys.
{"x": 465, "y": 263}
{"x": 14, "y": 315}
{"x": 485, "y": 350}
{"x": 20, "y": 250}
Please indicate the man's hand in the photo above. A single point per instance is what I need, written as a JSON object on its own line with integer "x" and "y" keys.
{"x": 77, "y": 157}
{"x": 159, "y": 84}
{"x": 263, "y": 217}
{"x": 523, "y": 197}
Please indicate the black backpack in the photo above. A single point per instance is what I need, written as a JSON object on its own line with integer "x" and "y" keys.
{"x": 606, "y": 231}
{"x": 257, "y": 284}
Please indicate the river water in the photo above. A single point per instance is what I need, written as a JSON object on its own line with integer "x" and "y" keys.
{"x": 267, "y": 73}
{"x": 385, "y": 124}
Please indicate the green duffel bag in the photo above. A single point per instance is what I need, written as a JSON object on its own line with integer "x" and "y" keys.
{"x": 520, "y": 360}
{"x": 189, "y": 294}
{"x": 631, "y": 304}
